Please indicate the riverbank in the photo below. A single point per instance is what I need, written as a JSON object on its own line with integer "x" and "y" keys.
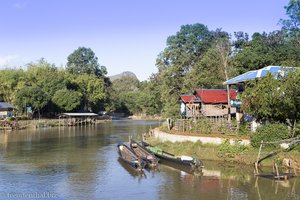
{"x": 222, "y": 149}
{"x": 40, "y": 123}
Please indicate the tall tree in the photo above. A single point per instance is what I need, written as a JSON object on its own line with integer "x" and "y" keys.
{"x": 292, "y": 25}
{"x": 182, "y": 52}
{"x": 46, "y": 76}
{"x": 83, "y": 60}
{"x": 264, "y": 50}
{"x": 32, "y": 96}
{"x": 92, "y": 88}
{"x": 223, "y": 48}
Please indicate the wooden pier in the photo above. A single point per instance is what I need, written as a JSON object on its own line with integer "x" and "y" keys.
{"x": 276, "y": 174}
{"x": 77, "y": 119}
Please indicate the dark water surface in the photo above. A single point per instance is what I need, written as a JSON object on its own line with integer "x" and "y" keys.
{"x": 82, "y": 163}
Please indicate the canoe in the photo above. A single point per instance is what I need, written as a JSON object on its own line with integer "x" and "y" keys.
{"x": 129, "y": 157}
{"x": 183, "y": 162}
{"x": 148, "y": 157}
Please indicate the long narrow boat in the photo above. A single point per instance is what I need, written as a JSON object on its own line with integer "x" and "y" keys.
{"x": 128, "y": 156}
{"x": 150, "y": 159}
{"x": 187, "y": 163}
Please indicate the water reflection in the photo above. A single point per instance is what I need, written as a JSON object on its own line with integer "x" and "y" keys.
{"x": 135, "y": 174}
{"x": 82, "y": 163}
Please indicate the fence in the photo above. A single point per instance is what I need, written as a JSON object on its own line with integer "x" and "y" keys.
{"x": 206, "y": 125}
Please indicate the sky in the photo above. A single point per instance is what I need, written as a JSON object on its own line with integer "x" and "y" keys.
{"x": 126, "y": 35}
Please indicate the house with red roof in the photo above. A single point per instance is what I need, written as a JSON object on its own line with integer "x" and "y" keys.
{"x": 207, "y": 103}
{"x": 190, "y": 106}
{"x": 214, "y": 102}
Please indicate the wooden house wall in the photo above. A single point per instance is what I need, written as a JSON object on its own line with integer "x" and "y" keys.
{"x": 216, "y": 109}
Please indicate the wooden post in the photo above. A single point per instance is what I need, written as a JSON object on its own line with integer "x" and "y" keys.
{"x": 294, "y": 167}
{"x": 256, "y": 168}
{"x": 258, "y": 155}
{"x": 277, "y": 172}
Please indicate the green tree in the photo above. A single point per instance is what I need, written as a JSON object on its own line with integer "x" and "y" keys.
{"x": 264, "y": 50}
{"x": 9, "y": 83}
{"x": 83, "y": 60}
{"x": 149, "y": 97}
{"x": 124, "y": 93}
{"x": 273, "y": 100}
{"x": 292, "y": 25}
{"x": 46, "y": 76}
{"x": 32, "y": 96}
{"x": 67, "y": 100}
{"x": 182, "y": 52}
{"x": 92, "y": 88}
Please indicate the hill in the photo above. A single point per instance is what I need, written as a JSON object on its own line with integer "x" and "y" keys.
{"x": 122, "y": 75}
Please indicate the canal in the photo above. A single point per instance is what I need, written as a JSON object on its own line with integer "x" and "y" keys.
{"x": 82, "y": 163}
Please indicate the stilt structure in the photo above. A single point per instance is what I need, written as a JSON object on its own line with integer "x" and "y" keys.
{"x": 78, "y": 119}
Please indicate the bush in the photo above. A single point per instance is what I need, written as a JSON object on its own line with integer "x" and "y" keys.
{"x": 202, "y": 126}
{"x": 243, "y": 129}
{"x": 269, "y": 133}
{"x": 229, "y": 151}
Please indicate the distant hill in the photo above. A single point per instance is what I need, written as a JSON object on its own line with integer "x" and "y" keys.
{"x": 122, "y": 75}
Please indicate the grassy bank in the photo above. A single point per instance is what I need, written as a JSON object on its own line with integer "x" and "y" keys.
{"x": 224, "y": 153}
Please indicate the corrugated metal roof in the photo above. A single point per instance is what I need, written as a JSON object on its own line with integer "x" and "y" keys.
{"x": 5, "y": 106}
{"x": 251, "y": 75}
{"x": 215, "y": 95}
{"x": 188, "y": 98}
{"x": 79, "y": 114}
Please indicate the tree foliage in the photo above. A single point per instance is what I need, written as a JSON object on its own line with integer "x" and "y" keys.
{"x": 83, "y": 60}
{"x": 32, "y": 96}
{"x": 194, "y": 57}
{"x": 270, "y": 133}
{"x": 292, "y": 25}
{"x": 273, "y": 100}
{"x": 67, "y": 100}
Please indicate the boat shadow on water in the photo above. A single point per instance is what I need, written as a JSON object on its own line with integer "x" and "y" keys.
{"x": 134, "y": 173}
{"x": 184, "y": 168}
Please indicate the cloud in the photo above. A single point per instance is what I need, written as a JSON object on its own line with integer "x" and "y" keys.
{"x": 9, "y": 61}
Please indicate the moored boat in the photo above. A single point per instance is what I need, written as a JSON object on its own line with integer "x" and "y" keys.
{"x": 128, "y": 156}
{"x": 183, "y": 162}
{"x": 147, "y": 156}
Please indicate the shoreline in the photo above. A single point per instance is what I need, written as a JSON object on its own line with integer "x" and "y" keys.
{"x": 220, "y": 149}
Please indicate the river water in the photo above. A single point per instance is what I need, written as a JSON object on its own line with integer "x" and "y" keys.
{"x": 82, "y": 163}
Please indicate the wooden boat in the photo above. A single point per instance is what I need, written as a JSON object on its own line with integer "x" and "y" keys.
{"x": 186, "y": 163}
{"x": 147, "y": 156}
{"x": 128, "y": 156}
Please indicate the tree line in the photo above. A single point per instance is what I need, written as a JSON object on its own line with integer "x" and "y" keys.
{"x": 194, "y": 57}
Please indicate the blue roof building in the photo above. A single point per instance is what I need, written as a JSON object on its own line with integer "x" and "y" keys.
{"x": 251, "y": 75}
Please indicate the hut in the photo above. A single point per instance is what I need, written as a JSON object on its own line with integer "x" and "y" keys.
{"x": 77, "y": 119}
{"x": 214, "y": 102}
{"x": 190, "y": 106}
{"x": 6, "y": 110}
{"x": 239, "y": 81}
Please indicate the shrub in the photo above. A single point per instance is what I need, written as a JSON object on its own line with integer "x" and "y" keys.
{"x": 243, "y": 129}
{"x": 269, "y": 133}
{"x": 202, "y": 126}
{"x": 229, "y": 151}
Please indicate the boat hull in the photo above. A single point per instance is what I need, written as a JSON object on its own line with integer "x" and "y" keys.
{"x": 190, "y": 166}
{"x": 130, "y": 158}
{"x": 147, "y": 156}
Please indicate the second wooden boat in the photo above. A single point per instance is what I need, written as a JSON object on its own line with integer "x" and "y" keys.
{"x": 150, "y": 159}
